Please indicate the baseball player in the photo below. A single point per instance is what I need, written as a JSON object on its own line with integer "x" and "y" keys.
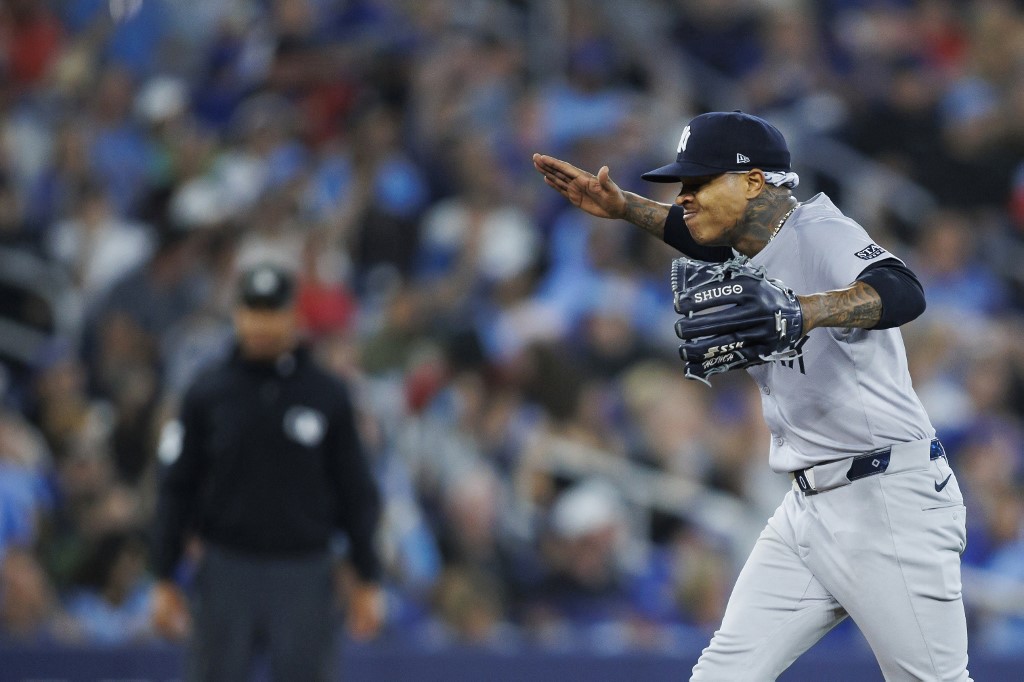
{"x": 800, "y": 296}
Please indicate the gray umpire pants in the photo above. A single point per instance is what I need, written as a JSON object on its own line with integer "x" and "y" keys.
{"x": 244, "y": 604}
{"x": 884, "y": 550}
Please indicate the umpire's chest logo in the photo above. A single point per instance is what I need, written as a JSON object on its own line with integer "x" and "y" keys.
{"x": 305, "y": 426}
{"x": 872, "y": 251}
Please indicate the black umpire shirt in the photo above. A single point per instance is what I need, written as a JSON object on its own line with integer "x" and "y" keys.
{"x": 270, "y": 464}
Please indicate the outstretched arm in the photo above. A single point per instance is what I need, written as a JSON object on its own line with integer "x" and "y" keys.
{"x": 599, "y": 196}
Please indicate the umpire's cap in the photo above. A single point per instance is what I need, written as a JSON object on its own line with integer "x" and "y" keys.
{"x": 266, "y": 286}
{"x": 723, "y": 141}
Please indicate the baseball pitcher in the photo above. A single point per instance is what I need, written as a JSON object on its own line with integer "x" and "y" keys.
{"x": 800, "y": 296}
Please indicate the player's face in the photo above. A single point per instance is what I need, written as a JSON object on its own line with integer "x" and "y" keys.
{"x": 713, "y": 207}
{"x": 265, "y": 334}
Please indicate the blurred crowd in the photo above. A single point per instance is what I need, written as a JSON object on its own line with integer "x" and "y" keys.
{"x": 549, "y": 476}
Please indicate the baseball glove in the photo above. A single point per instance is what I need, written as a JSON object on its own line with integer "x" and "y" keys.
{"x": 734, "y": 316}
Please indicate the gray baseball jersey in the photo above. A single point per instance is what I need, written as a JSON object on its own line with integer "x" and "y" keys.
{"x": 883, "y": 549}
{"x": 851, "y": 392}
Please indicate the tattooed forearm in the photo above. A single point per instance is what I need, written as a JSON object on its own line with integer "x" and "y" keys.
{"x": 858, "y": 305}
{"x": 647, "y": 214}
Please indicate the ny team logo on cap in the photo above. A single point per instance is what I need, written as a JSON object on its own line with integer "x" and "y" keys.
{"x": 682, "y": 140}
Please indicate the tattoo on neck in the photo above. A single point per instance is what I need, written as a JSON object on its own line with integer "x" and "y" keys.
{"x": 646, "y": 214}
{"x": 764, "y": 212}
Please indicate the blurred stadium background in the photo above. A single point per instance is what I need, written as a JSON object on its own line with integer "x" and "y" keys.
{"x": 560, "y": 503}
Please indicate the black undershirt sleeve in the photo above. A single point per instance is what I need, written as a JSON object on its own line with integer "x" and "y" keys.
{"x": 901, "y": 293}
{"x": 679, "y": 238}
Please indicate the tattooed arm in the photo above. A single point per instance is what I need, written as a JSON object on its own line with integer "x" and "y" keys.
{"x": 857, "y": 305}
{"x": 646, "y": 214}
{"x": 885, "y": 295}
{"x": 598, "y": 195}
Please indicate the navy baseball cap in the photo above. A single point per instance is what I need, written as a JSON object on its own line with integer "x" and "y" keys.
{"x": 724, "y": 141}
{"x": 267, "y": 287}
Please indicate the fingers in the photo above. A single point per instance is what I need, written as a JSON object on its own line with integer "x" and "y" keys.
{"x": 549, "y": 164}
{"x": 598, "y": 195}
{"x": 363, "y": 627}
{"x": 170, "y": 614}
{"x": 178, "y": 628}
{"x": 366, "y": 613}
{"x": 556, "y": 170}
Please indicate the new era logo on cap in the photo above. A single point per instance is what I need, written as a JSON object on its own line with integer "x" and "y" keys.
{"x": 709, "y": 143}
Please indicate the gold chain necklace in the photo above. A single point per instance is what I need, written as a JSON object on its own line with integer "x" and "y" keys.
{"x": 782, "y": 221}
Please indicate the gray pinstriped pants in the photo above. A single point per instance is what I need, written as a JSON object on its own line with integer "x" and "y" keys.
{"x": 884, "y": 550}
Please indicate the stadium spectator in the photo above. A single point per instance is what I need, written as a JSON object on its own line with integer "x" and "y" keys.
{"x": 30, "y": 613}
{"x": 112, "y": 599}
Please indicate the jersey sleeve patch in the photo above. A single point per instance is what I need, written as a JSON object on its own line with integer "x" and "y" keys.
{"x": 871, "y": 252}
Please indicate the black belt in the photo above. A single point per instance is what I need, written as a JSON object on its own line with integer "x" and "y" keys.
{"x": 865, "y": 465}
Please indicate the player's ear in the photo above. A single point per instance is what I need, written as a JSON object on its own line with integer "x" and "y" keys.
{"x": 755, "y": 182}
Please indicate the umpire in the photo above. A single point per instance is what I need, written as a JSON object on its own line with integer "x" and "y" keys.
{"x": 268, "y": 466}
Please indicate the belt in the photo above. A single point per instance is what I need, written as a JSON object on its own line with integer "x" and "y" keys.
{"x": 861, "y": 466}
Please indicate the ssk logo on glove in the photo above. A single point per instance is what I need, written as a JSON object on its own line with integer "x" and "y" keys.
{"x": 715, "y": 350}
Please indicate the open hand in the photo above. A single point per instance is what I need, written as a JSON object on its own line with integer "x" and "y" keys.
{"x": 597, "y": 194}
{"x": 365, "y": 611}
